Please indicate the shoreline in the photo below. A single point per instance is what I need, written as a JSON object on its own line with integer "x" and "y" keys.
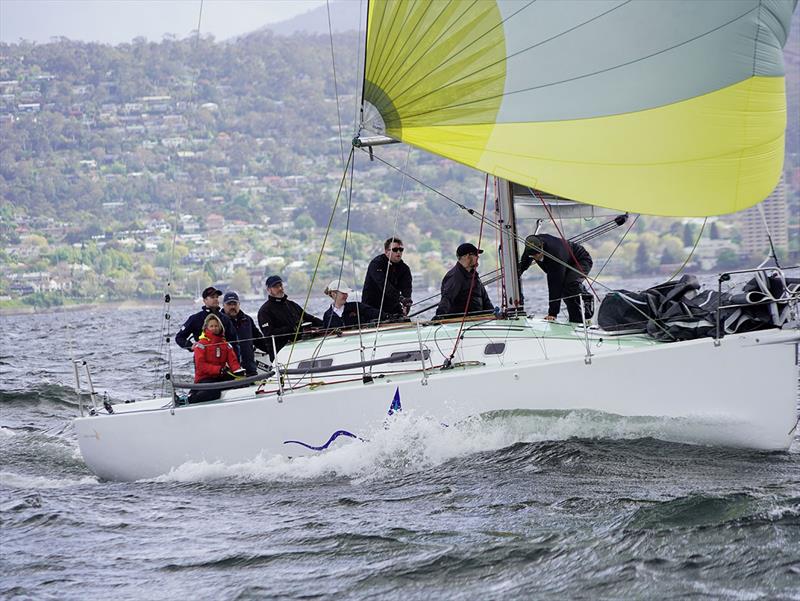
{"x": 125, "y": 305}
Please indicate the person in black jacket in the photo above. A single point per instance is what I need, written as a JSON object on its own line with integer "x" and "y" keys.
{"x": 343, "y": 314}
{"x": 554, "y": 255}
{"x": 388, "y": 272}
{"x": 279, "y": 317}
{"x": 462, "y": 282}
{"x": 190, "y": 331}
{"x": 249, "y": 335}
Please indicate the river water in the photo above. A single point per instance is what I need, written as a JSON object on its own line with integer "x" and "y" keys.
{"x": 544, "y": 506}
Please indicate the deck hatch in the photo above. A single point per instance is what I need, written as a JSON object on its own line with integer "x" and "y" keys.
{"x": 412, "y": 355}
{"x": 495, "y": 348}
{"x": 314, "y": 363}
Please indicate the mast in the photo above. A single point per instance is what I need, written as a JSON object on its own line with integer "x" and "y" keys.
{"x": 509, "y": 258}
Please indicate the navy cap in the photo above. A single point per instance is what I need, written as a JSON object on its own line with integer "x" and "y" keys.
{"x": 273, "y": 280}
{"x": 230, "y": 295}
{"x": 211, "y": 291}
{"x": 467, "y": 249}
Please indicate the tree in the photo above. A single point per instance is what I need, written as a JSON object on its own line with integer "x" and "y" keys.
{"x": 146, "y": 272}
{"x": 727, "y": 259}
{"x": 642, "y": 261}
{"x": 241, "y": 281}
{"x": 208, "y": 269}
{"x": 688, "y": 234}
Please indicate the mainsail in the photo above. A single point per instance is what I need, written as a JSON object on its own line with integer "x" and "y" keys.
{"x": 662, "y": 107}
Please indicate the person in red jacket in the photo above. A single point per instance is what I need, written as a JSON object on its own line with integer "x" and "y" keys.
{"x": 214, "y": 359}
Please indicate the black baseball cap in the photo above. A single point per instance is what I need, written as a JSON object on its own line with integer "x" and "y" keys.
{"x": 467, "y": 249}
{"x": 534, "y": 243}
{"x": 273, "y": 280}
{"x": 230, "y": 296}
{"x": 212, "y": 291}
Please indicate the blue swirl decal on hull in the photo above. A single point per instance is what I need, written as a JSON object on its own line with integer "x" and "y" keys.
{"x": 333, "y": 437}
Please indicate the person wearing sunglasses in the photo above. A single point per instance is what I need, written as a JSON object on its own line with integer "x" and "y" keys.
{"x": 387, "y": 285}
{"x": 462, "y": 289}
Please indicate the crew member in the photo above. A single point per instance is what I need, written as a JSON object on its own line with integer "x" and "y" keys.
{"x": 566, "y": 265}
{"x": 279, "y": 317}
{"x": 462, "y": 284}
{"x": 344, "y": 314}
{"x": 190, "y": 331}
{"x": 214, "y": 359}
{"x": 387, "y": 285}
{"x": 247, "y": 332}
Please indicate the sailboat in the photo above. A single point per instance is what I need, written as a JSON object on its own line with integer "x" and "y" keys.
{"x": 672, "y": 108}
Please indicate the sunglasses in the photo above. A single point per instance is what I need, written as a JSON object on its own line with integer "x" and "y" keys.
{"x": 399, "y": 249}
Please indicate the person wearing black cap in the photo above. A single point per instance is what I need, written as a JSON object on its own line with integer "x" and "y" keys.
{"x": 387, "y": 285}
{"x": 190, "y": 331}
{"x": 566, "y": 265}
{"x": 462, "y": 284}
{"x": 279, "y": 317}
{"x": 249, "y": 335}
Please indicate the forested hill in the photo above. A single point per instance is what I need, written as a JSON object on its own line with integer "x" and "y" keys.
{"x": 137, "y": 125}
{"x": 141, "y": 123}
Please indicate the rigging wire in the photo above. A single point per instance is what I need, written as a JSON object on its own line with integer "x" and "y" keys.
{"x": 357, "y": 101}
{"x": 613, "y": 252}
{"x": 319, "y": 256}
{"x": 773, "y": 255}
{"x": 472, "y": 212}
{"x": 388, "y": 262}
{"x": 494, "y": 225}
{"x": 165, "y": 337}
{"x": 691, "y": 252}
{"x": 473, "y": 279}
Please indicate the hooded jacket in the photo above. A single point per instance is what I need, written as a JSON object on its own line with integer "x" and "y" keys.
{"x": 193, "y": 327}
{"x": 212, "y": 354}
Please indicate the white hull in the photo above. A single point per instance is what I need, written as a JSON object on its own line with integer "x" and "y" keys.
{"x": 740, "y": 393}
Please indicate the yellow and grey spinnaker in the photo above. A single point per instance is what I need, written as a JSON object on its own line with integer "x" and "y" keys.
{"x": 663, "y": 107}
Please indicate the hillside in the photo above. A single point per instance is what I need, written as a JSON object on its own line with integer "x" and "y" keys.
{"x": 106, "y": 148}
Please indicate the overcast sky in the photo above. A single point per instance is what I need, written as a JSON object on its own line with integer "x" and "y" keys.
{"x": 116, "y": 21}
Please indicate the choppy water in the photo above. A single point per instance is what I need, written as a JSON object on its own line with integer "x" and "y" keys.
{"x": 518, "y": 505}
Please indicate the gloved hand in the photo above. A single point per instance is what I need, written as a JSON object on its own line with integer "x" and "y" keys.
{"x": 238, "y": 373}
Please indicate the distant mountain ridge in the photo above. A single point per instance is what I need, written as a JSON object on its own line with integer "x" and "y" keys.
{"x": 347, "y": 15}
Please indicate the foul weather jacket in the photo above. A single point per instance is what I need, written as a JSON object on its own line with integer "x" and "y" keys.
{"x": 250, "y": 338}
{"x": 212, "y": 355}
{"x": 398, "y": 283}
{"x": 193, "y": 327}
{"x": 455, "y": 290}
{"x": 279, "y": 317}
{"x": 559, "y": 278}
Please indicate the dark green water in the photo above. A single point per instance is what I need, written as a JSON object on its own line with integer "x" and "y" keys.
{"x": 516, "y": 506}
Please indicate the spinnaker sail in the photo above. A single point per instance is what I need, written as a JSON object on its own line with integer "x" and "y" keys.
{"x": 663, "y": 107}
